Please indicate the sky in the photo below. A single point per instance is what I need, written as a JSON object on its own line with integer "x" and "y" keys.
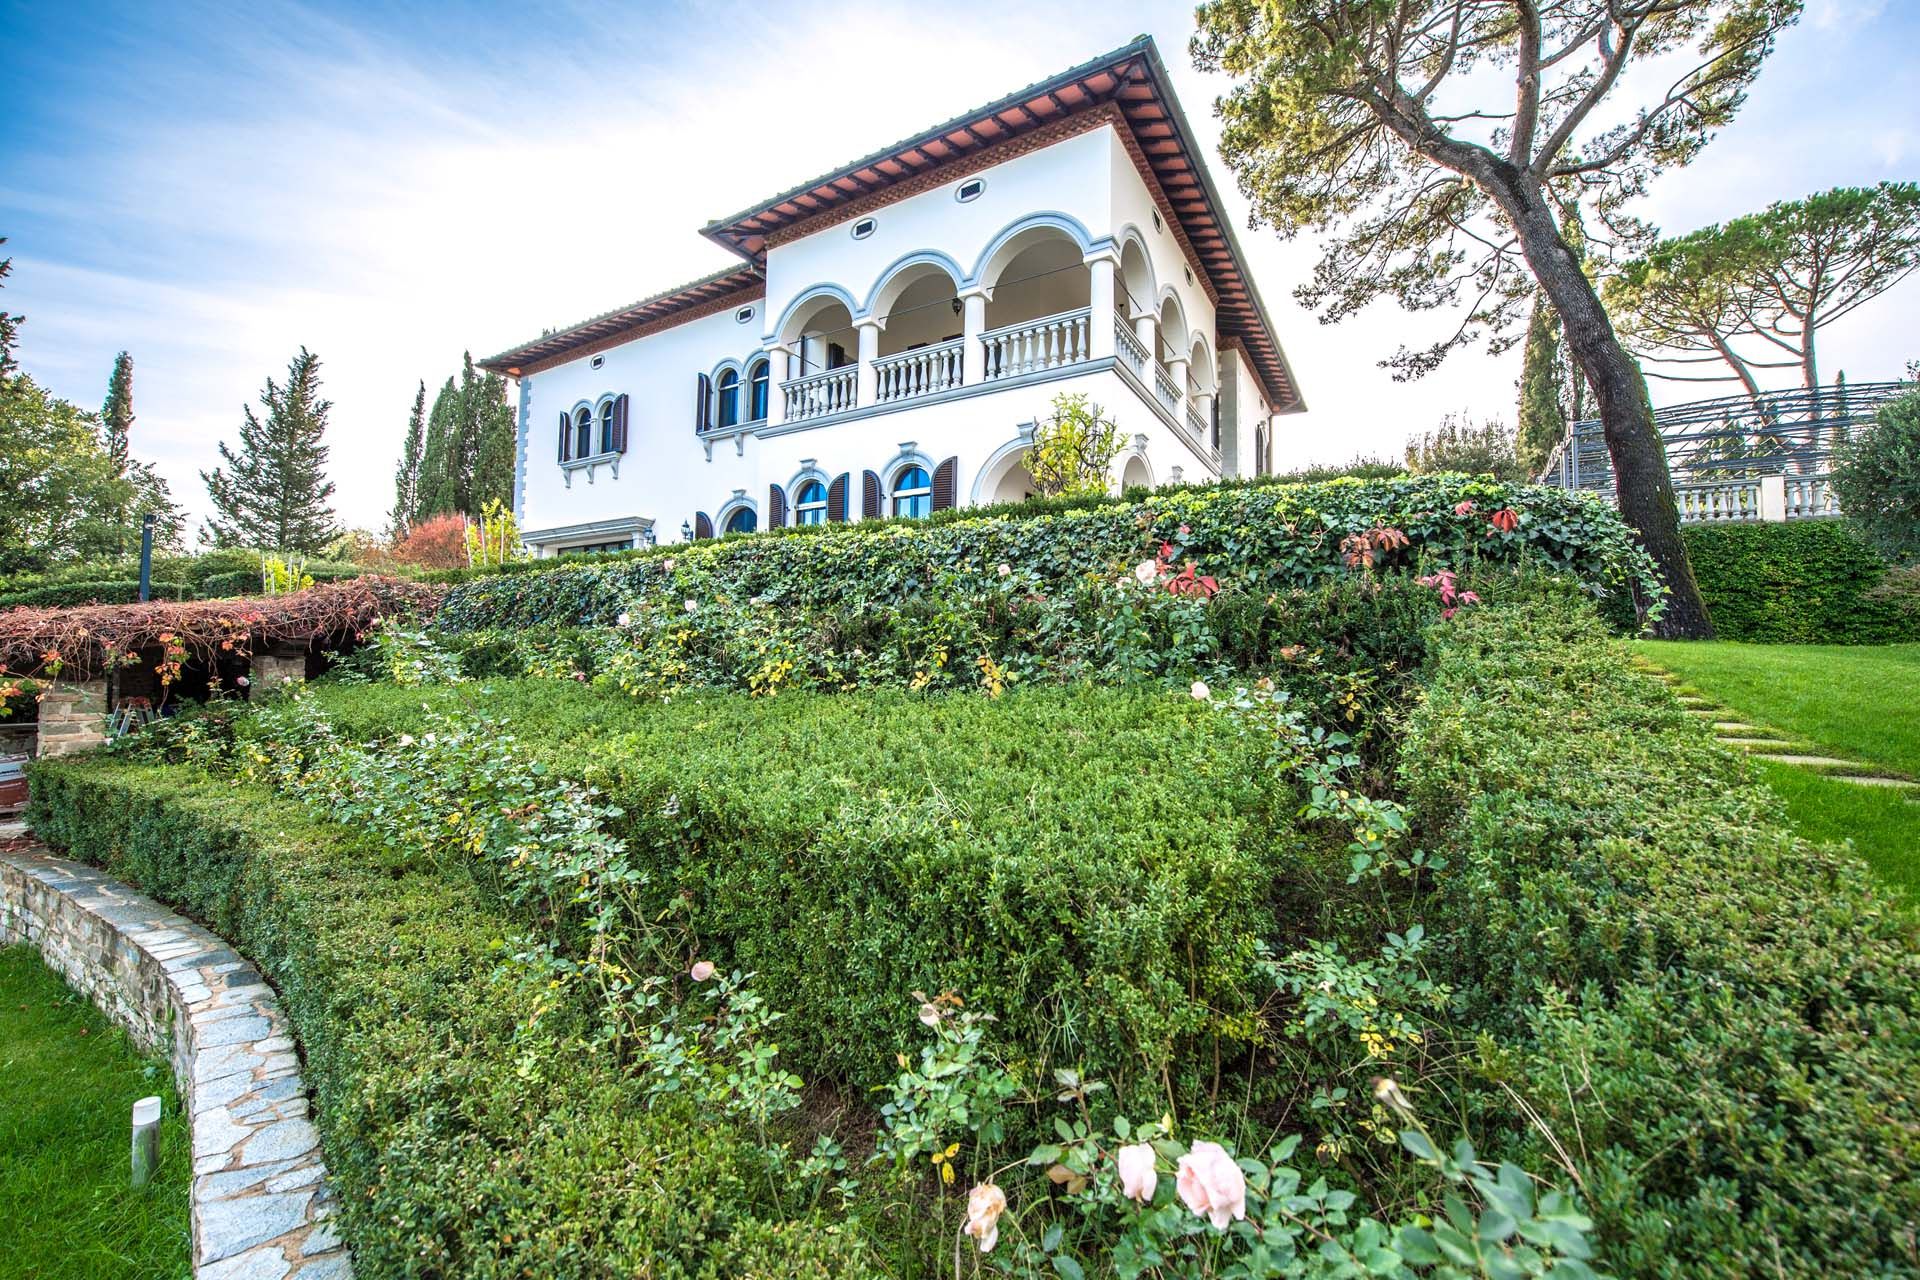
{"x": 212, "y": 186}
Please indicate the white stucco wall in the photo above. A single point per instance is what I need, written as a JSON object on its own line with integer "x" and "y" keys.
{"x": 1131, "y": 216}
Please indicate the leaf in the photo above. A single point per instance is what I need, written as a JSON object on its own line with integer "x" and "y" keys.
{"x": 1068, "y": 1268}
{"x": 1050, "y": 1238}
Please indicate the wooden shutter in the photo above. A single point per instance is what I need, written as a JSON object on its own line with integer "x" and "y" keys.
{"x": 620, "y": 423}
{"x": 776, "y": 507}
{"x": 566, "y": 436}
{"x": 870, "y": 495}
{"x": 703, "y": 403}
{"x": 837, "y": 499}
{"x": 946, "y": 478}
{"x": 702, "y": 523}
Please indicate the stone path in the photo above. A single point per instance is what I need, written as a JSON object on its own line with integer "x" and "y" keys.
{"x": 261, "y": 1206}
{"x": 1769, "y": 744}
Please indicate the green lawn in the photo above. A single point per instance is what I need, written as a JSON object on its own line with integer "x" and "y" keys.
{"x": 68, "y": 1082}
{"x": 1854, "y": 701}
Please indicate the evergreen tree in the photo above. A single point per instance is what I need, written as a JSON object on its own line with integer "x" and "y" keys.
{"x": 116, "y": 416}
{"x": 9, "y": 323}
{"x": 1542, "y": 420}
{"x": 406, "y": 480}
{"x": 440, "y": 483}
{"x": 496, "y": 442}
{"x": 273, "y": 491}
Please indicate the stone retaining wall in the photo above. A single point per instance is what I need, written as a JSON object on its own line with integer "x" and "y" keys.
{"x": 261, "y": 1207}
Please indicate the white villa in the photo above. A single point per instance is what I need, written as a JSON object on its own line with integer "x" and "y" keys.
{"x": 895, "y": 328}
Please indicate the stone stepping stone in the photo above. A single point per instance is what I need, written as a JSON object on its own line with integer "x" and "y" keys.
{"x": 1810, "y": 762}
{"x": 1861, "y": 779}
{"x": 1736, "y": 726}
{"x": 1752, "y": 743}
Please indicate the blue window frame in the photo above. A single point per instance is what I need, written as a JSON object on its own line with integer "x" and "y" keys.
{"x": 759, "y": 379}
{"x": 742, "y": 521}
{"x": 728, "y": 392}
{"x": 913, "y": 492}
{"x": 810, "y": 507}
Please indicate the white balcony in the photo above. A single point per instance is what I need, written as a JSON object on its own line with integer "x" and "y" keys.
{"x": 820, "y": 395}
{"x": 923, "y": 372}
{"x": 1037, "y": 346}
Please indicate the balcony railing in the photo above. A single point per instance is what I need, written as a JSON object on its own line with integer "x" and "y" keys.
{"x": 1810, "y": 497}
{"x": 1718, "y": 502}
{"x": 917, "y": 373}
{"x": 819, "y": 394}
{"x": 1050, "y": 342}
{"x": 1169, "y": 390}
{"x": 1197, "y": 424}
{"x": 1129, "y": 346}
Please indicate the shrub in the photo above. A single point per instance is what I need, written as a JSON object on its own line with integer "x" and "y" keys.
{"x": 229, "y": 583}
{"x": 1876, "y": 478}
{"x": 1259, "y": 538}
{"x": 463, "y": 1132}
{"x": 439, "y": 542}
{"x": 1716, "y": 1019}
{"x": 1802, "y": 582}
{"x": 1457, "y": 445}
{"x": 62, "y": 594}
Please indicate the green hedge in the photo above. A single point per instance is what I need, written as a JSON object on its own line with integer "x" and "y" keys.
{"x": 1093, "y": 866}
{"x": 65, "y": 594}
{"x": 458, "y": 1146}
{"x": 246, "y": 582}
{"x": 1801, "y": 582}
{"x": 1260, "y": 537}
{"x": 1717, "y": 1021}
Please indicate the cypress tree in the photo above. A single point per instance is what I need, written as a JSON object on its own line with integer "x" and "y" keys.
{"x": 406, "y": 480}
{"x": 439, "y": 490}
{"x": 273, "y": 491}
{"x": 496, "y": 441}
{"x": 1542, "y": 421}
{"x": 116, "y": 416}
{"x": 9, "y": 322}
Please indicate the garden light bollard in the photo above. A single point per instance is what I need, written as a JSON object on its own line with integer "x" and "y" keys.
{"x": 146, "y": 1140}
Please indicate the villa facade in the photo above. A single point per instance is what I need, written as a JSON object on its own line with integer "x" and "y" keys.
{"x": 895, "y": 329}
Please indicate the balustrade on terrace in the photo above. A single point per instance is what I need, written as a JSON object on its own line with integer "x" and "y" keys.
{"x": 920, "y": 372}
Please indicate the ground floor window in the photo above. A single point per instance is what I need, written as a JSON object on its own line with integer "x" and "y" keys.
{"x": 811, "y": 506}
{"x": 595, "y": 548}
{"x": 742, "y": 521}
{"x": 913, "y": 493}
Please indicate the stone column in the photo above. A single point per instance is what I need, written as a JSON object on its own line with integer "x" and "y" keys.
{"x": 1100, "y": 302}
{"x": 276, "y": 669}
{"x": 868, "y": 332}
{"x": 73, "y": 717}
{"x": 1177, "y": 371}
{"x": 973, "y": 323}
{"x": 1146, "y": 331}
{"x": 777, "y": 372}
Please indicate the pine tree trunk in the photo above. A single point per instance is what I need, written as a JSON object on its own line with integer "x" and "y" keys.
{"x": 1640, "y": 474}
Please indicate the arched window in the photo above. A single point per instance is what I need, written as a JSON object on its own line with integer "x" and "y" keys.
{"x": 811, "y": 505}
{"x": 583, "y": 432}
{"x": 606, "y": 427}
{"x": 728, "y": 392}
{"x": 913, "y": 492}
{"x": 759, "y": 379}
{"x": 742, "y": 521}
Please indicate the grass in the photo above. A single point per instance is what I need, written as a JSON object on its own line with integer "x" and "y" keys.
{"x": 68, "y": 1082}
{"x": 1853, "y": 701}
{"x": 1882, "y": 823}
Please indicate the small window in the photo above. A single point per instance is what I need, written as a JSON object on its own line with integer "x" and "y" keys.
{"x": 743, "y": 315}
{"x": 583, "y": 432}
{"x": 913, "y": 493}
{"x": 1189, "y": 275}
{"x": 727, "y": 393}
{"x": 742, "y": 521}
{"x": 863, "y": 228}
{"x": 969, "y": 190}
{"x": 811, "y": 507}
{"x": 606, "y": 427}
{"x": 1156, "y": 220}
{"x": 758, "y": 379}
{"x": 598, "y": 361}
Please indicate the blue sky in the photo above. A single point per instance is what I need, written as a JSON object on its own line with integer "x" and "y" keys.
{"x": 210, "y": 186}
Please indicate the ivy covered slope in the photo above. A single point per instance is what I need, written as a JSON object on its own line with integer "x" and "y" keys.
{"x": 1718, "y": 1023}
{"x": 1261, "y": 537}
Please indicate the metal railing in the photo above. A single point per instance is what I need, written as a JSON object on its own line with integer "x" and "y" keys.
{"x": 917, "y": 373}
{"x": 1050, "y": 342}
{"x": 819, "y": 394}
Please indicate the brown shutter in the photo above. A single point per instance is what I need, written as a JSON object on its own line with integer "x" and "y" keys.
{"x": 837, "y": 499}
{"x": 776, "y": 507}
{"x": 946, "y": 477}
{"x": 703, "y": 403}
{"x": 620, "y": 423}
{"x": 566, "y": 436}
{"x": 870, "y": 495}
{"x": 702, "y": 524}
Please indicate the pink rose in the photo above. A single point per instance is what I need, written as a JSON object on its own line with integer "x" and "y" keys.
{"x": 1138, "y": 1178}
{"x": 701, "y": 971}
{"x": 1212, "y": 1185}
{"x": 985, "y": 1204}
{"x": 1146, "y": 571}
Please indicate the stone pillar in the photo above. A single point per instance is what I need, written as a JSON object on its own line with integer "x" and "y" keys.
{"x": 1177, "y": 371}
{"x": 868, "y": 332}
{"x": 73, "y": 717}
{"x": 1146, "y": 331}
{"x": 973, "y": 323}
{"x": 1100, "y": 302}
{"x": 1773, "y": 498}
{"x": 276, "y": 669}
{"x": 777, "y": 373}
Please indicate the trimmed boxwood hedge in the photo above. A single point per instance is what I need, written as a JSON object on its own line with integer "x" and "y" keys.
{"x": 1801, "y": 582}
{"x": 1718, "y": 1021}
{"x": 457, "y": 1147}
{"x": 55, "y": 595}
{"x": 1260, "y": 537}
